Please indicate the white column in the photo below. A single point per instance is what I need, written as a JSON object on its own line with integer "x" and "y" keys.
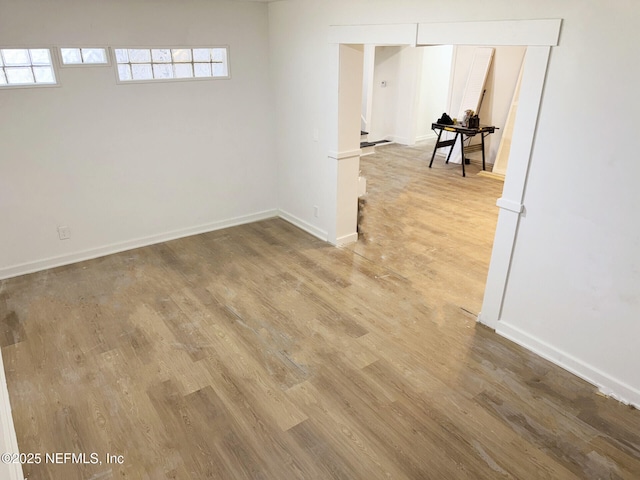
{"x": 345, "y": 160}
{"x": 533, "y": 76}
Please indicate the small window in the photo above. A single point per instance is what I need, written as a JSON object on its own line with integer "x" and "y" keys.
{"x": 25, "y": 67}
{"x": 143, "y": 64}
{"x": 84, "y": 56}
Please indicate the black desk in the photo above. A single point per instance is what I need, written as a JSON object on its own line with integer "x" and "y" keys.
{"x": 460, "y": 131}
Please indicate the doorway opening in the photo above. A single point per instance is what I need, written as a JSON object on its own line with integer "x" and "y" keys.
{"x": 427, "y": 224}
{"x": 537, "y": 35}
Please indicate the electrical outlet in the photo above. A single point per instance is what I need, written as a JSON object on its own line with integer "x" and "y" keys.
{"x": 64, "y": 233}
{"x": 316, "y": 211}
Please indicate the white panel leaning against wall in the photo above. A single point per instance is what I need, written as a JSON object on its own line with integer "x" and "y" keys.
{"x": 26, "y": 67}
{"x": 148, "y": 64}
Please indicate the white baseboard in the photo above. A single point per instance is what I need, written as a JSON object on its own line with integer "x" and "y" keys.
{"x": 370, "y": 150}
{"x": 347, "y": 239}
{"x": 399, "y": 140}
{"x": 89, "y": 254}
{"x": 307, "y": 227}
{"x": 8, "y": 440}
{"x": 606, "y": 384}
{"x": 428, "y": 136}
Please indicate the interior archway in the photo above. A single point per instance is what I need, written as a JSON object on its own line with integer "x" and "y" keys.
{"x": 537, "y": 35}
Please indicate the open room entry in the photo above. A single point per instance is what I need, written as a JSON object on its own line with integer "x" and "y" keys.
{"x": 348, "y": 42}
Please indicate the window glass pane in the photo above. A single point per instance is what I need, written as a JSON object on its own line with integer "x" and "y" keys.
{"x": 44, "y": 74}
{"x": 162, "y": 70}
{"x": 171, "y": 63}
{"x": 3, "y": 78}
{"x": 18, "y": 75}
{"x": 141, "y": 71}
{"x": 220, "y": 70}
{"x": 201, "y": 54}
{"x": 16, "y": 56}
{"x": 138, "y": 55}
{"x": 161, "y": 55}
{"x": 94, "y": 55}
{"x": 124, "y": 72}
{"x": 183, "y": 70}
{"x": 70, "y": 55}
{"x": 202, "y": 69}
{"x": 1, "y": 62}
{"x": 40, "y": 56}
{"x": 122, "y": 56}
{"x": 181, "y": 54}
{"x": 219, "y": 54}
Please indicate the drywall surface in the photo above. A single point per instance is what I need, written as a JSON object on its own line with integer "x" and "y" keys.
{"x": 574, "y": 281}
{"x": 500, "y": 85}
{"x": 128, "y": 164}
{"x": 306, "y": 178}
{"x": 386, "y": 92}
{"x": 410, "y": 86}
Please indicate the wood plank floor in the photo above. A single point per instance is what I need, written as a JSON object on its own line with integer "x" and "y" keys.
{"x": 259, "y": 352}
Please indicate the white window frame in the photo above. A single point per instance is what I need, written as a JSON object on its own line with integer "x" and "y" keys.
{"x": 169, "y": 80}
{"x": 83, "y": 65}
{"x": 54, "y": 65}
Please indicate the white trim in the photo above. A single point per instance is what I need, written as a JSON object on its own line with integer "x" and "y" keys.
{"x": 347, "y": 239}
{"x": 8, "y": 440}
{"x": 534, "y": 71}
{"x": 606, "y": 384}
{"x": 30, "y": 85}
{"x": 91, "y": 253}
{"x": 405, "y": 141}
{"x": 510, "y": 205}
{"x": 507, "y": 32}
{"x": 391, "y": 34}
{"x": 533, "y": 77}
{"x": 368, "y": 151}
{"x": 345, "y": 154}
{"x": 307, "y": 227}
{"x": 428, "y": 136}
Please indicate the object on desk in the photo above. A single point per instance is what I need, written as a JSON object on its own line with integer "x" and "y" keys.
{"x": 473, "y": 122}
{"x": 445, "y": 120}
{"x": 467, "y": 115}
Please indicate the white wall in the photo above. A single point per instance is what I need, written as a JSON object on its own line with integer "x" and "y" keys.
{"x": 501, "y": 83}
{"x": 385, "y": 98}
{"x": 416, "y": 92}
{"x": 305, "y": 175}
{"x": 417, "y": 83}
{"x": 573, "y": 285}
{"x": 124, "y": 165}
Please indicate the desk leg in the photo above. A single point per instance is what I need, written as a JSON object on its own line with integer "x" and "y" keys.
{"x": 435, "y": 148}
{"x": 482, "y": 137}
{"x": 451, "y": 149}
{"x": 462, "y": 152}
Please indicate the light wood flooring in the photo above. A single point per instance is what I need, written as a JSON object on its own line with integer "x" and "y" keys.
{"x": 260, "y": 352}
